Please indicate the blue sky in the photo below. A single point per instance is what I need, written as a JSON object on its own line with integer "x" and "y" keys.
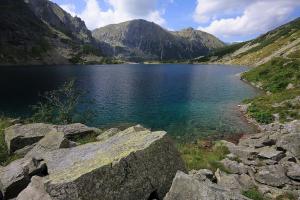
{"x": 230, "y": 20}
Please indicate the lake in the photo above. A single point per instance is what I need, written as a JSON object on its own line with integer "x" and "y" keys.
{"x": 188, "y": 101}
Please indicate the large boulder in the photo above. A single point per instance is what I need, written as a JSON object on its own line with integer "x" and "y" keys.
{"x": 77, "y": 130}
{"x": 52, "y": 141}
{"x": 19, "y": 136}
{"x": 187, "y": 187}
{"x": 132, "y": 164}
{"x": 16, "y": 176}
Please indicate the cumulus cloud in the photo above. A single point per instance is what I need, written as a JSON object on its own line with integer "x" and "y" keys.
{"x": 242, "y": 17}
{"x": 118, "y": 11}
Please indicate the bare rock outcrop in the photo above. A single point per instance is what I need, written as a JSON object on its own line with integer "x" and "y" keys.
{"x": 131, "y": 164}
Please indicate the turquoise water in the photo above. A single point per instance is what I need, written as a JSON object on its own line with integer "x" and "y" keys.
{"x": 188, "y": 101}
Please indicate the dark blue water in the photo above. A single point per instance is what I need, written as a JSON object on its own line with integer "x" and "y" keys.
{"x": 186, "y": 100}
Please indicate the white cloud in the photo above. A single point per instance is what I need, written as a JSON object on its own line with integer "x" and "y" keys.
{"x": 119, "y": 11}
{"x": 242, "y": 17}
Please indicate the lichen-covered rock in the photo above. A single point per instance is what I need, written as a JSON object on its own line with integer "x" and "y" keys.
{"x": 19, "y": 136}
{"x": 107, "y": 134}
{"x": 52, "y": 141}
{"x": 129, "y": 165}
{"x": 16, "y": 176}
{"x": 77, "y": 130}
{"x": 34, "y": 191}
{"x": 187, "y": 187}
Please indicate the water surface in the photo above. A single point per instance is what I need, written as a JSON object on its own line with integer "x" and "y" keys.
{"x": 188, "y": 101}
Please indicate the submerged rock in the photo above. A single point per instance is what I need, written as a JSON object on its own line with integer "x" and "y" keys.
{"x": 19, "y": 136}
{"x": 132, "y": 164}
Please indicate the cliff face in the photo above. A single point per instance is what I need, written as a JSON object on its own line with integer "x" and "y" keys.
{"x": 143, "y": 40}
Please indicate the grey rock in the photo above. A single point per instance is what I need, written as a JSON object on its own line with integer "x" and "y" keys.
{"x": 22, "y": 152}
{"x": 272, "y": 175}
{"x": 270, "y": 153}
{"x": 202, "y": 174}
{"x": 186, "y": 187}
{"x": 77, "y": 130}
{"x": 108, "y": 133}
{"x": 19, "y": 136}
{"x": 127, "y": 163}
{"x": 16, "y": 176}
{"x": 52, "y": 141}
{"x": 34, "y": 191}
{"x": 231, "y": 156}
{"x": 245, "y": 181}
{"x": 241, "y": 151}
{"x": 234, "y": 167}
{"x": 291, "y": 143}
{"x": 229, "y": 181}
{"x": 293, "y": 171}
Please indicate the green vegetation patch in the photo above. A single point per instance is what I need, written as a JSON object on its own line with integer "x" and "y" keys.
{"x": 203, "y": 155}
{"x": 253, "y": 194}
{"x": 263, "y": 108}
{"x": 276, "y": 74}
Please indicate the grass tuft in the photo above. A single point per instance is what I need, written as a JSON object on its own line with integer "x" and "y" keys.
{"x": 199, "y": 155}
{"x": 254, "y": 194}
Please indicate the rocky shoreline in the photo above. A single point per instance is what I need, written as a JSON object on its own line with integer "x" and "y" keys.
{"x": 137, "y": 163}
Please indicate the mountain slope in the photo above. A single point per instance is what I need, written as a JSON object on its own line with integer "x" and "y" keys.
{"x": 59, "y": 19}
{"x": 281, "y": 41}
{"x": 40, "y": 32}
{"x": 142, "y": 40}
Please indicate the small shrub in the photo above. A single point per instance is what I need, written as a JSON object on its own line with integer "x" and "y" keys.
{"x": 61, "y": 106}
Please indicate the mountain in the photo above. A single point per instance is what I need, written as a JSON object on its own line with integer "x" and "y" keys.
{"x": 139, "y": 40}
{"x": 280, "y": 42}
{"x": 59, "y": 19}
{"x": 40, "y": 32}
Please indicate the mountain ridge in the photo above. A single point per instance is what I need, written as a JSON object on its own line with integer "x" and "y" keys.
{"x": 142, "y": 40}
{"x": 279, "y": 42}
